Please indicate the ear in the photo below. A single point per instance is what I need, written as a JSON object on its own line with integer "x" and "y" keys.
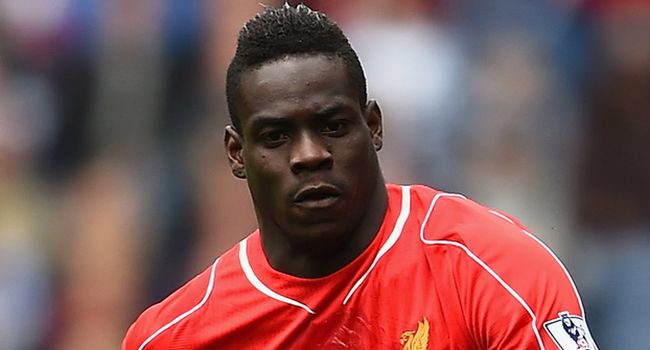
{"x": 374, "y": 121}
{"x": 233, "y": 143}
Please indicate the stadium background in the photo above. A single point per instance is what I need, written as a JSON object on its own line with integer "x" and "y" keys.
{"x": 114, "y": 187}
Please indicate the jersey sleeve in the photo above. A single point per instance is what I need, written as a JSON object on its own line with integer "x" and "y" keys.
{"x": 145, "y": 329}
{"x": 525, "y": 294}
{"x": 516, "y": 294}
{"x": 159, "y": 327}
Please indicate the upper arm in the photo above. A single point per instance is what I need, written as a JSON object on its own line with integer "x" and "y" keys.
{"x": 521, "y": 294}
{"x": 515, "y": 292}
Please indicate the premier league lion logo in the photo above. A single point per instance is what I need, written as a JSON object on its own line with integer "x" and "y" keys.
{"x": 574, "y": 331}
{"x": 570, "y": 332}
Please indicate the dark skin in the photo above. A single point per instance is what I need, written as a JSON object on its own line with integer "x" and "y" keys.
{"x": 308, "y": 151}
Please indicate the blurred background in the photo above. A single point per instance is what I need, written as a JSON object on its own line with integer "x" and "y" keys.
{"x": 114, "y": 188}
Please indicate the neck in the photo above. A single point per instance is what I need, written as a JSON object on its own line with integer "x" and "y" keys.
{"x": 318, "y": 258}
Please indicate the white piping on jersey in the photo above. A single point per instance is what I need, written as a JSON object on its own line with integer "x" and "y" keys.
{"x": 566, "y": 272}
{"x": 248, "y": 271}
{"x": 559, "y": 262}
{"x": 208, "y": 291}
{"x": 482, "y": 264}
{"x": 394, "y": 236}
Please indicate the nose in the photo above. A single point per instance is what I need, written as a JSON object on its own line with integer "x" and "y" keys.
{"x": 309, "y": 152}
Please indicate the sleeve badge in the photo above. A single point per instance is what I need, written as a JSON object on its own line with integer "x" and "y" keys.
{"x": 570, "y": 332}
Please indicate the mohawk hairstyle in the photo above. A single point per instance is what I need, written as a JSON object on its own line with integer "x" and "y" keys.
{"x": 277, "y": 33}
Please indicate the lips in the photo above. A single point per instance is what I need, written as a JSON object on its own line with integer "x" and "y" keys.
{"x": 317, "y": 196}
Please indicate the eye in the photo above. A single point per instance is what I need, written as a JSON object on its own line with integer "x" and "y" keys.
{"x": 275, "y": 138}
{"x": 334, "y": 128}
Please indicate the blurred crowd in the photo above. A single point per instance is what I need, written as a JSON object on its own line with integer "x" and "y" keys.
{"x": 114, "y": 187}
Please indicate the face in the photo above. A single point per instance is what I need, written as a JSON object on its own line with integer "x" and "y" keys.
{"x": 306, "y": 147}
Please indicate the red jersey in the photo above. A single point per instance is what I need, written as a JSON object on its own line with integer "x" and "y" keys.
{"x": 442, "y": 273}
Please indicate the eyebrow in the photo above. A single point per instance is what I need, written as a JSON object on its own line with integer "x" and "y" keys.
{"x": 328, "y": 111}
{"x": 332, "y": 109}
{"x": 262, "y": 121}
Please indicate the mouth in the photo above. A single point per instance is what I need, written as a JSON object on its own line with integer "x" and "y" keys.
{"x": 317, "y": 197}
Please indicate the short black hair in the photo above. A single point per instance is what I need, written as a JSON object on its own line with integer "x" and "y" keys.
{"x": 276, "y": 33}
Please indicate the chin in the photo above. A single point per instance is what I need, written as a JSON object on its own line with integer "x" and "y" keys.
{"x": 316, "y": 232}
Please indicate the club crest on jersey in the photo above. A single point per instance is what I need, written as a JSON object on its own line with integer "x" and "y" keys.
{"x": 418, "y": 339}
{"x": 570, "y": 332}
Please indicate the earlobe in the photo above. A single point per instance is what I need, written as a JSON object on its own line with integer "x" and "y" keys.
{"x": 374, "y": 122}
{"x": 377, "y": 143}
{"x": 233, "y": 143}
{"x": 239, "y": 173}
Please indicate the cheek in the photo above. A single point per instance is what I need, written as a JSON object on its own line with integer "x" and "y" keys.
{"x": 263, "y": 167}
{"x": 265, "y": 178}
{"x": 357, "y": 152}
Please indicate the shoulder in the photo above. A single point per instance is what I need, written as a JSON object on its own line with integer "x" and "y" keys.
{"x": 173, "y": 309}
{"x": 493, "y": 256}
{"x": 184, "y": 303}
{"x": 453, "y": 218}
{"x": 489, "y": 245}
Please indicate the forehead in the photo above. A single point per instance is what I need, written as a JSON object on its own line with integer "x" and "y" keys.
{"x": 294, "y": 84}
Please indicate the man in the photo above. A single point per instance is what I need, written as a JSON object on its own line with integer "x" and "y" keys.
{"x": 341, "y": 260}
